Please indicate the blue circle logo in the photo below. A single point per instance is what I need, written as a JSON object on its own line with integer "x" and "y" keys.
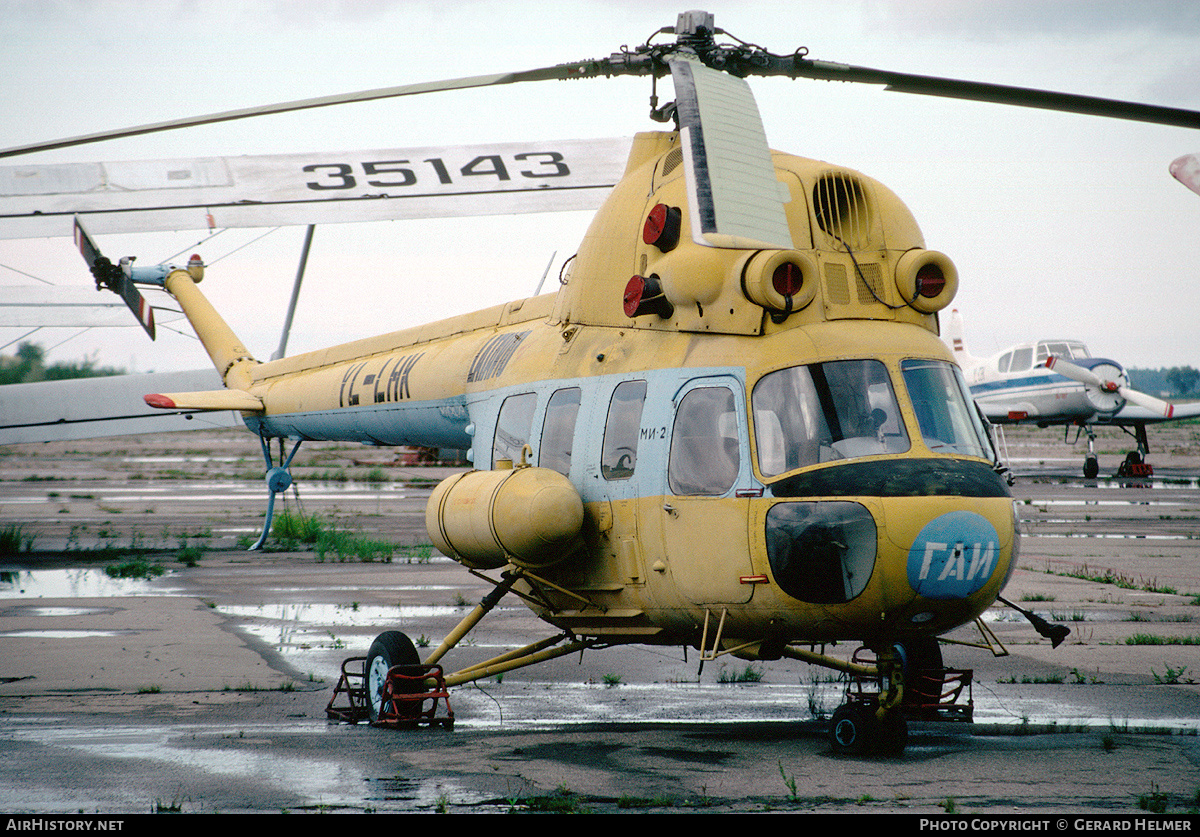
{"x": 954, "y": 556}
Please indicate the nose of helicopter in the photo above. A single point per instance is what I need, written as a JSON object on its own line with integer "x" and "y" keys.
{"x": 894, "y": 564}
{"x": 943, "y": 563}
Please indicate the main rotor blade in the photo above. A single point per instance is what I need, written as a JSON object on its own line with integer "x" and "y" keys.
{"x": 561, "y": 71}
{"x": 986, "y": 92}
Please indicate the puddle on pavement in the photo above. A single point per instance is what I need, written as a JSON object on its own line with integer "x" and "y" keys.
{"x": 311, "y": 636}
{"x": 89, "y": 583}
{"x": 52, "y": 634}
{"x": 55, "y": 611}
{"x": 324, "y": 784}
{"x": 1114, "y": 536}
{"x": 308, "y": 635}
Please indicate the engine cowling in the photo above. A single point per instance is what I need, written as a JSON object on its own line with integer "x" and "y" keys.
{"x": 528, "y": 516}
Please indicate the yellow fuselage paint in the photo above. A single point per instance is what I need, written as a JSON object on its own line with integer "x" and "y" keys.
{"x": 655, "y": 565}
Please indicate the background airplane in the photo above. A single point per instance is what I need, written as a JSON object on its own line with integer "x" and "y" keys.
{"x": 1058, "y": 382}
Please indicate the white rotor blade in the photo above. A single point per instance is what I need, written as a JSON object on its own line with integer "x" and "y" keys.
{"x": 734, "y": 197}
{"x": 561, "y": 71}
{"x": 32, "y": 306}
{"x": 42, "y": 200}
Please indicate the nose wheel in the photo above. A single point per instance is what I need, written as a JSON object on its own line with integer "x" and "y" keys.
{"x": 857, "y": 729}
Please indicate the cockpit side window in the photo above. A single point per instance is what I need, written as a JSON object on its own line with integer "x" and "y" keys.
{"x": 805, "y": 415}
{"x": 621, "y": 429}
{"x": 705, "y": 458}
{"x": 945, "y": 412}
{"x": 1022, "y": 359}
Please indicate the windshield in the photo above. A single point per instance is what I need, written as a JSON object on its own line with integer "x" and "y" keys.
{"x": 806, "y": 415}
{"x": 947, "y": 416}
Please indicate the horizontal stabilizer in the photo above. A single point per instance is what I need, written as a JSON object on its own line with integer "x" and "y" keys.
{"x": 40, "y": 200}
{"x": 1186, "y": 170}
{"x": 216, "y": 399}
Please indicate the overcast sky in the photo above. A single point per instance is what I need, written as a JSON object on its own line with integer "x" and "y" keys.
{"x": 1061, "y": 225}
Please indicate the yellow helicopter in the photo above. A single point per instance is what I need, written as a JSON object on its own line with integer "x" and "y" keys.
{"x": 733, "y": 428}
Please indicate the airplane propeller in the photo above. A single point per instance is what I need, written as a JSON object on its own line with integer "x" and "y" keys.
{"x": 695, "y": 40}
{"x": 1089, "y": 378}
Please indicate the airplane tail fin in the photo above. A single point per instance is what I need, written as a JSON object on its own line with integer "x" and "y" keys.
{"x": 957, "y": 341}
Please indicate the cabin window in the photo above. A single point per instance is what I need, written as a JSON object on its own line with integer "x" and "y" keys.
{"x": 1004, "y": 362}
{"x": 513, "y": 427}
{"x": 843, "y": 409}
{"x": 1022, "y": 360}
{"x": 948, "y": 419}
{"x": 619, "y": 454}
{"x": 705, "y": 459}
{"x": 558, "y": 430}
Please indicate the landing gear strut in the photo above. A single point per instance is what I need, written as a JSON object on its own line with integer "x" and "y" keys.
{"x": 279, "y": 478}
{"x": 395, "y": 689}
{"x": 1091, "y": 463}
{"x": 904, "y": 681}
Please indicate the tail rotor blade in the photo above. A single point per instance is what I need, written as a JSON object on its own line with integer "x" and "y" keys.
{"x": 111, "y": 276}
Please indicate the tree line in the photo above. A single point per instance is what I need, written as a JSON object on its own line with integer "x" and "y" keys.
{"x": 1176, "y": 380}
{"x": 29, "y": 365}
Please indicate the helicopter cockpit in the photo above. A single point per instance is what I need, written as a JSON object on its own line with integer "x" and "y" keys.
{"x": 845, "y": 409}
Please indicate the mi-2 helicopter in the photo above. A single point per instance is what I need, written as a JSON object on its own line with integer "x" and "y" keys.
{"x": 733, "y": 428}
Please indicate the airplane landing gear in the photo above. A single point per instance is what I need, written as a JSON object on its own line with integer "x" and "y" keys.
{"x": 1091, "y": 463}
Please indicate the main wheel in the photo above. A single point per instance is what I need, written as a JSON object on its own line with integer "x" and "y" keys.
{"x": 1091, "y": 468}
{"x": 852, "y": 728}
{"x": 390, "y": 648}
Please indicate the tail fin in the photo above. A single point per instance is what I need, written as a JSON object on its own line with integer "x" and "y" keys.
{"x": 957, "y": 342}
{"x": 232, "y": 359}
